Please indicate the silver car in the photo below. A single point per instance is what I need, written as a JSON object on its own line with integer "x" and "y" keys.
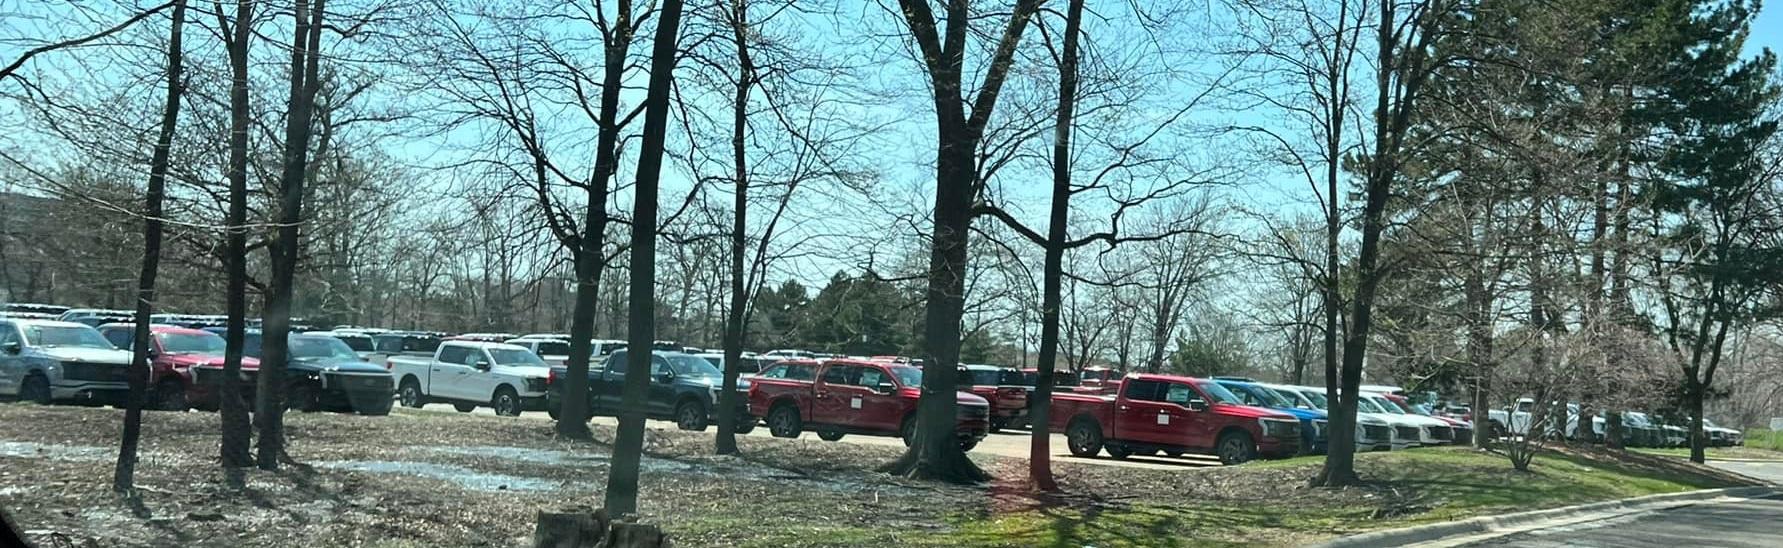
{"x": 46, "y": 360}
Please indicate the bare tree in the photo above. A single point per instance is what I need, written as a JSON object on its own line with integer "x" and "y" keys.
{"x": 622, "y": 481}
{"x": 237, "y": 431}
{"x": 124, "y": 480}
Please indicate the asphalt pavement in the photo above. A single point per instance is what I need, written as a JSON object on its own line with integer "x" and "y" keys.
{"x": 1725, "y": 523}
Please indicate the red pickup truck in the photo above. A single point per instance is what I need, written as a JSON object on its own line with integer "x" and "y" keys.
{"x": 839, "y": 397}
{"x": 174, "y": 353}
{"x": 1175, "y": 415}
{"x": 1000, "y": 386}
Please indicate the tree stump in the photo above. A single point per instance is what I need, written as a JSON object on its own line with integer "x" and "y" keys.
{"x": 571, "y": 528}
{"x": 582, "y": 528}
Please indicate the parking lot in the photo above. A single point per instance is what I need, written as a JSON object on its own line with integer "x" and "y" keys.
{"x": 1007, "y": 443}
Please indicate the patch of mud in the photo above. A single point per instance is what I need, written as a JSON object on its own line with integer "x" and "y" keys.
{"x": 721, "y": 467}
{"x": 463, "y": 477}
{"x": 75, "y": 453}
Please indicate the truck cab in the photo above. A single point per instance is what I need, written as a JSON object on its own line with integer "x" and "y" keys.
{"x": 469, "y": 374}
{"x": 175, "y": 354}
{"x": 845, "y": 396}
{"x": 45, "y": 361}
{"x": 682, "y": 387}
{"x": 1002, "y": 387}
{"x": 1174, "y": 415}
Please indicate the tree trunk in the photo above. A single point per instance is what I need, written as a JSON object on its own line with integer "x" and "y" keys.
{"x": 728, "y": 398}
{"x": 269, "y": 393}
{"x": 1040, "y": 427}
{"x": 622, "y": 481}
{"x": 237, "y": 430}
{"x": 124, "y": 479}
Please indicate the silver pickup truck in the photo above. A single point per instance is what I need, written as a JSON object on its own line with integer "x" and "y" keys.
{"x": 46, "y": 360}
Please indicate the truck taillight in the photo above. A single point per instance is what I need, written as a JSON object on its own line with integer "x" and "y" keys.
{"x": 551, "y": 378}
{"x": 389, "y": 365}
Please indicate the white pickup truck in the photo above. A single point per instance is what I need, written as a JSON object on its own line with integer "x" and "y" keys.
{"x": 471, "y": 374}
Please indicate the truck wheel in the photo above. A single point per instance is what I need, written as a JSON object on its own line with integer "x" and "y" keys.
{"x": 830, "y": 435}
{"x": 302, "y": 397}
{"x": 691, "y": 415}
{"x": 506, "y": 402}
{"x": 464, "y": 407}
{"x": 36, "y": 389}
{"x": 745, "y": 424}
{"x": 410, "y": 393}
{"x": 784, "y": 422}
{"x": 907, "y": 430}
{"x": 1235, "y": 448}
{"x": 552, "y": 412}
{"x": 1118, "y": 451}
{"x": 966, "y": 444}
{"x": 1084, "y": 438}
{"x": 170, "y": 395}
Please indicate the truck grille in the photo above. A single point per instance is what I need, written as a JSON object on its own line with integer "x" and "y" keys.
{"x": 1406, "y": 432}
{"x": 974, "y": 412}
{"x": 370, "y": 383}
{"x": 1376, "y": 432}
{"x": 1442, "y": 433}
{"x": 97, "y": 372}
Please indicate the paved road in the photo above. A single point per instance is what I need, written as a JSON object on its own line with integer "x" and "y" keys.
{"x": 1009, "y": 443}
{"x": 1739, "y": 523}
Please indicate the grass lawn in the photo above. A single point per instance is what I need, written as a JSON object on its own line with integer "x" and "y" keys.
{"x": 1404, "y": 488}
{"x": 1761, "y": 444}
{"x": 444, "y": 479}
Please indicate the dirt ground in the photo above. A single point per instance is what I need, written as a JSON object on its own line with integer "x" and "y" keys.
{"x": 429, "y": 479}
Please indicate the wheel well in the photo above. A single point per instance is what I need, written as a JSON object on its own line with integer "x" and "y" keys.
{"x": 1083, "y": 418}
{"x": 782, "y": 402}
{"x": 410, "y": 378}
{"x": 1229, "y": 430}
{"x": 688, "y": 398}
{"x": 503, "y": 386}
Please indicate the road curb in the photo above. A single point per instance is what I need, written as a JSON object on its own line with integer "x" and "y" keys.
{"x": 1484, "y": 524}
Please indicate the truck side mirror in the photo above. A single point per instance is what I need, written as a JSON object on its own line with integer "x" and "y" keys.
{"x": 665, "y": 377}
{"x": 482, "y": 365}
{"x": 1197, "y": 405}
{"x": 886, "y": 387}
{"x": 11, "y": 347}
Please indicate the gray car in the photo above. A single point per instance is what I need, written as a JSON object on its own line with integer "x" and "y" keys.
{"x": 45, "y": 361}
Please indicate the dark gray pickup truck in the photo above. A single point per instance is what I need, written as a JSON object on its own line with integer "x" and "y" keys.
{"x": 683, "y": 388}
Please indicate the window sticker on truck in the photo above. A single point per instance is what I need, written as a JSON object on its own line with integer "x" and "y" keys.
{"x": 1163, "y": 418}
{"x": 855, "y": 403}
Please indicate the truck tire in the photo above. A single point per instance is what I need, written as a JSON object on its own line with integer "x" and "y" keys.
{"x": 784, "y": 421}
{"x": 998, "y": 424}
{"x": 36, "y": 389}
{"x": 410, "y": 393}
{"x": 170, "y": 395}
{"x": 967, "y": 443}
{"x": 302, "y": 397}
{"x": 691, "y": 416}
{"x": 506, "y": 402}
{"x": 745, "y": 424}
{"x": 907, "y": 430}
{"x": 1235, "y": 448}
{"x": 1084, "y": 437}
{"x": 830, "y": 435}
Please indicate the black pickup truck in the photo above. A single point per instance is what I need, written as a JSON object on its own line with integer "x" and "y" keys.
{"x": 683, "y": 388}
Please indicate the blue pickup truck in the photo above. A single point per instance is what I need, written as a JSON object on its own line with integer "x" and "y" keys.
{"x": 683, "y": 388}
{"x": 1313, "y": 422}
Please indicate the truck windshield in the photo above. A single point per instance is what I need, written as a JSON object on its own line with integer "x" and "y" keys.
{"x": 321, "y": 347}
{"x": 358, "y": 344}
{"x": 693, "y": 366}
{"x": 982, "y": 377}
{"x": 1218, "y": 393}
{"x": 515, "y": 356}
{"x": 1367, "y": 406}
{"x": 907, "y": 376}
{"x": 1258, "y": 396}
{"x": 189, "y": 343}
{"x": 1386, "y": 405}
{"x": 52, "y": 336}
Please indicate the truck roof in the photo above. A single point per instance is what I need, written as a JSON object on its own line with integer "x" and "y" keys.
{"x": 481, "y": 344}
{"x": 22, "y": 322}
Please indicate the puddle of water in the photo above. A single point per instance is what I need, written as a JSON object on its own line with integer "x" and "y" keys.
{"x": 520, "y": 454}
{"x": 464, "y": 477}
{"x": 55, "y": 452}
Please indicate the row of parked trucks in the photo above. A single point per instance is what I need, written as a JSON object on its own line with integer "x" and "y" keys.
{"x": 1098, "y": 410}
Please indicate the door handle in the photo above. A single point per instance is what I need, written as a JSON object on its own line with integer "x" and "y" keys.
{"x": 1124, "y": 408}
